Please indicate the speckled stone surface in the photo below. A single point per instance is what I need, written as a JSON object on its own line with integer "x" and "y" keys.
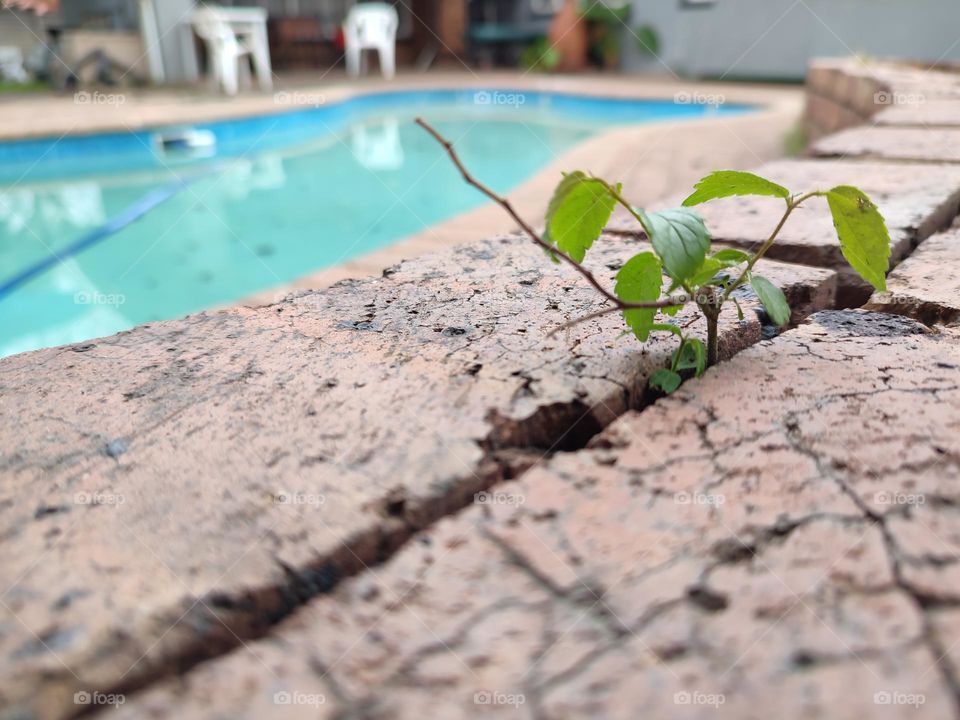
{"x": 173, "y": 488}
{"x": 940, "y": 145}
{"x": 737, "y": 550}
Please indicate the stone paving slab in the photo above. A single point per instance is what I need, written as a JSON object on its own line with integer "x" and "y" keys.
{"x": 825, "y": 116}
{"x": 926, "y": 285}
{"x": 841, "y": 77}
{"x": 783, "y": 548}
{"x": 892, "y": 143}
{"x": 928, "y": 114}
{"x": 915, "y": 199}
{"x": 172, "y": 489}
{"x": 843, "y": 93}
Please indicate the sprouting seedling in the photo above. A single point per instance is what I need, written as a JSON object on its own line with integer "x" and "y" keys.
{"x": 581, "y": 207}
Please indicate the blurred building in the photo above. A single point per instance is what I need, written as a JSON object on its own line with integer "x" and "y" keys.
{"x": 742, "y": 39}
{"x": 775, "y": 39}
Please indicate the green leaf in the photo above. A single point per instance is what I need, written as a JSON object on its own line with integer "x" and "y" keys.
{"x": 667, "y": 327}
{"x": 864, "y": 239}
{"x": 673, "y": 309}
{"x": 648, "y": 40}
{"x": 706, "y": 272}
{"x": 578, "y": 211}
{"x": 701, "y": 354}
{"x": 638, "y": 281}
{"x": 773, "y": 299}
{"x": 665, "y": 380}
{"x": 680, "y": 239}
{"x": 551, "y": 255}
{"x": 727, "y": 183}
{"x": 730, "y": 257}
{"x": 691, "y": 355}
{"x": 740, "y": 315}
{"x": 540, "y": 55}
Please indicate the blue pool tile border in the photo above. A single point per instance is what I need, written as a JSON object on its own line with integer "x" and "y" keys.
{"x": 51, "y": 157}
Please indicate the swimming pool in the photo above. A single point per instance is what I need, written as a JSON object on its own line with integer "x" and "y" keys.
{"x": 101, "y": 233}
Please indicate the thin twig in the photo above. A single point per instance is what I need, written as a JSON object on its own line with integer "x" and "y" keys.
{"x": 616, "y": 195}
{"x": 535, "y": 236}
{"x": 585, "y": 318}
{"x": 673, "y": 301}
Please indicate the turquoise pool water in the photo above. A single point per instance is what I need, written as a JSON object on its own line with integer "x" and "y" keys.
{"x": 100, "y": 233}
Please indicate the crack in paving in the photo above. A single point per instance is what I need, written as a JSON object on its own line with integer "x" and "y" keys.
{"x": 923, "y": 602}
{"x": 226, "y": 622}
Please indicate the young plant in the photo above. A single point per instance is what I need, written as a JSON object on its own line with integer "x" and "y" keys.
{"x": 581, "y": 207}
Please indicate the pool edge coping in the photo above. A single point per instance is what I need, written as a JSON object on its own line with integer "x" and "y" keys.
{"x": 156, "y": 108}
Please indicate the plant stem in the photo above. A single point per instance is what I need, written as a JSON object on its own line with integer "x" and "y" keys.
{"x": 710, "y": 306}
{"x": 713, "y": 344}
{"x": 792, "y": 204}
{"x": 615, "y": 194}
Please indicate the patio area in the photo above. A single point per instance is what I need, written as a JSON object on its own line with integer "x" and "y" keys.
{"x": 406, "y": 495}
{"x": 436, "y": 474}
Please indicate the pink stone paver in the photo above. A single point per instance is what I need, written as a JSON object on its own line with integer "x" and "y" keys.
{"x": 926, "y": 285}
{"x": 892, "y": 143}
{"x": 843, "y": 93}
{"x": 928, "y": 114}
{"x": 174, "y": 488}
{"x": 735, "y": 551}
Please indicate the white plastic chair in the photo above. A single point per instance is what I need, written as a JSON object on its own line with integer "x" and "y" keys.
{"x": 371, "y": 26}
{"x": 225, "y": 50}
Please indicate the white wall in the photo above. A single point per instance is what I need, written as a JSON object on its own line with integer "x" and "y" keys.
{"x": 776, "y": 38}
